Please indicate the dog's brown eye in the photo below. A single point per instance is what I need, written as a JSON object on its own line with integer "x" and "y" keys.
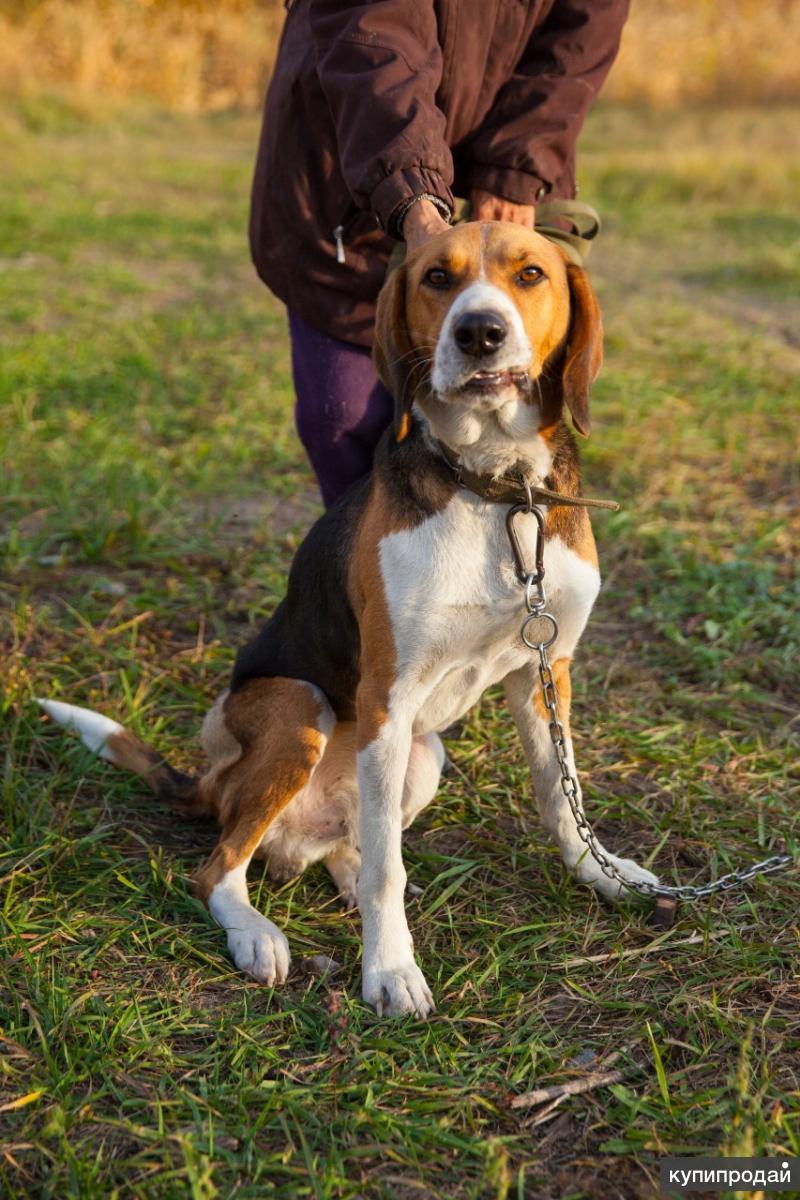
{"x": 530, "y": 275}
{"x": 437, "y": 277}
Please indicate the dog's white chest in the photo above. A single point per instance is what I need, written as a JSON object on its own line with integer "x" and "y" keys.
{"x": 456, "y": 605}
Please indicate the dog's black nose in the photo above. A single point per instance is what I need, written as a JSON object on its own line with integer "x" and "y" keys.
{"x": 480, "y": 333}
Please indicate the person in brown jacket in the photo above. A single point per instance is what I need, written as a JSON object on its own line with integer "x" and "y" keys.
{"x": 378, "y": 113}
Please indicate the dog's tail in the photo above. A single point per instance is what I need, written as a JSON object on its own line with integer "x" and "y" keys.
{"x": 118, "y": 745}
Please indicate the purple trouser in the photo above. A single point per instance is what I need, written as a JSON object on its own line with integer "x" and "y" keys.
{"x": 342, "y": 407}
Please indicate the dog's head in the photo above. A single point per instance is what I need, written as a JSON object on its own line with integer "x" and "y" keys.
{"x": 485, "y": 315}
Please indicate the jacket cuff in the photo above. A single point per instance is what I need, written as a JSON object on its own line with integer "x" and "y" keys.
{"x": 517, "y": 186}
{"x": 403, "y": 185}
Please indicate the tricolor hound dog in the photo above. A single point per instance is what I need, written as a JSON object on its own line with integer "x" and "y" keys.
{"x": 403, "y": 607}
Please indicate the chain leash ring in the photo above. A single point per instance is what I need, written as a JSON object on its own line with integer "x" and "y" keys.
{"x": 539, "y": 643}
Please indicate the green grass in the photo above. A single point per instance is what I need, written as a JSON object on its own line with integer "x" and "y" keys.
{"x": 144, "y": 403}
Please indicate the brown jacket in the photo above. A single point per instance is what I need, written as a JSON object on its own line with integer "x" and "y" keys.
{"x": 376, "y": 101}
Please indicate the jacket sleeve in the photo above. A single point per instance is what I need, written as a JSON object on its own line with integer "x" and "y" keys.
{"x": 527, "y": 142}
{"x": 379, "y": 64}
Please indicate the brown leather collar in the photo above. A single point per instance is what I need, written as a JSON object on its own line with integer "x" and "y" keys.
{"x": 511, "y": 489}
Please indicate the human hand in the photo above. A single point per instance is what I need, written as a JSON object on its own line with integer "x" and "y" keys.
{"x": 486, "y": 207}
{"x": 422, "y": 221}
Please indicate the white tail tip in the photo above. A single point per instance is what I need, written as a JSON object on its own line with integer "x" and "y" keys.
{"x": 93, "y": 727}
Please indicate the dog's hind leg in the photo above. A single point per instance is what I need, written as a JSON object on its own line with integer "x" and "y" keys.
{"x": 344, "y": 865}
{"x": 532, "y": 718}
{"x": 282, "y": 727}
{"x": 425, "y": 764}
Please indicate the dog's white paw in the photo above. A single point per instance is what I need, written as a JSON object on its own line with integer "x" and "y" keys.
{"x": 260, "y": 950}
{"x": 610, "y": 889}
{"x": 395, "y": 991}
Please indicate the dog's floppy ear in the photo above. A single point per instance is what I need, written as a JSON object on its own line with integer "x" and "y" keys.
{"x": 584, "y": 354}
{"x": 392, "y": 349}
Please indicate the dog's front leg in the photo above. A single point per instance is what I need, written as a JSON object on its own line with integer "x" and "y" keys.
{"x": 391, "y": 980}
{"x": 531, "y": 716}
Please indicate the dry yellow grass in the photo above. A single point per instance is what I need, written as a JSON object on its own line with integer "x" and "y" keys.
{"x": 705, "y": 50}
{"x": 189, "y": 55}
{"x": 201, "y": 55}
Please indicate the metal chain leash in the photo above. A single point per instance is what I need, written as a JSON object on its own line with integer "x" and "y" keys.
{"x": 536, "y": 606}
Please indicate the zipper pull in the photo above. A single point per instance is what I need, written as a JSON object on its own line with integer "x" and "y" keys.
{"x": 337, "y": 233}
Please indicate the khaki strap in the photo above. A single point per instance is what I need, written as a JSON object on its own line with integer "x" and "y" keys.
{"x": 571, "y": 224}
{"x": 584, "y": 226}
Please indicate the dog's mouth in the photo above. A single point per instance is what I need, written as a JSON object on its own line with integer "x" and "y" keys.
{"x": 495, "y": 381}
